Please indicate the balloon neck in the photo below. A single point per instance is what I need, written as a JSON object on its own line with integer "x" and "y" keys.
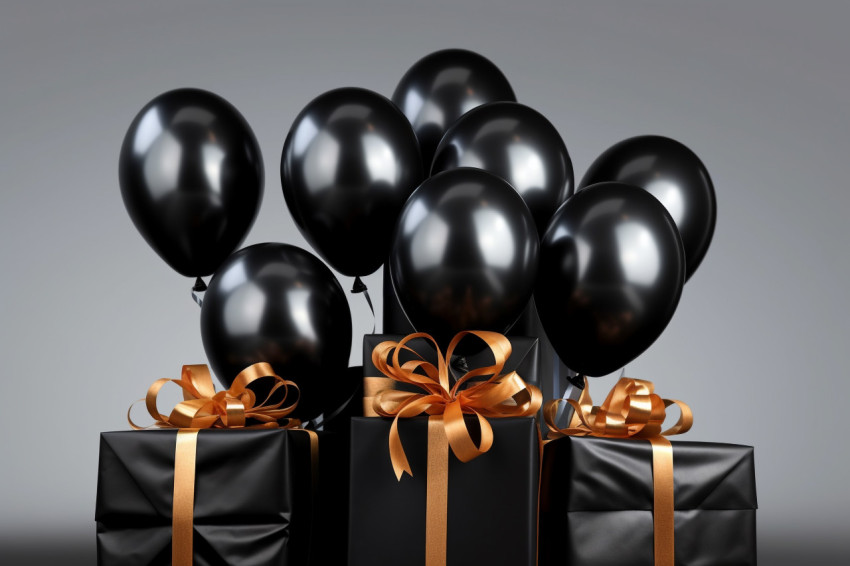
{"x": 577, "y": 381}
{"x": 198, "y": 291}
{"x": 359, "y": 286}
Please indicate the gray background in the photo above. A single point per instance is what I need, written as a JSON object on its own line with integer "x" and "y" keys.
{"x": 90, "y": 315}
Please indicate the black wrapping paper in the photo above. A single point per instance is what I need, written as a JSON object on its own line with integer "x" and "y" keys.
{"x": 254, "y": 498}
{"x": 523, "y": 360}
{"x": 553, "y": 375}
{"x": 597, "y": 495}
{"x": 492, "y": 500}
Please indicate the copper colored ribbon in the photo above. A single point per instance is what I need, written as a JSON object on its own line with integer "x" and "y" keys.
{"x": 483, "y": 392}
{"x": 203, "y": 408}
{"x": 633, "y": 410}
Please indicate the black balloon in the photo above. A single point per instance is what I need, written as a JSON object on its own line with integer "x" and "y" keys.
{"x": 675, "y": 176}
{"x": 519, "y": 145}
{"x": 191, "y": 177}
{"x": 279, "y": 304}
{"x": 464, "y": 254}
{"x": 349, "y": 162}
{"x": 612, "y": 268}
{"x": 441, "y": 87}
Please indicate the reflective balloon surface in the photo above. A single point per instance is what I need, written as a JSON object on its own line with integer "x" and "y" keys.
{"x": 279, "y": 304}
{"x": 349, "y": 162}
{"x": 612, "y": 268}
{"x": 675, "y": 176}
{"x": 519, "y": 145}
{"x": 464, "y": 254}
{"x": 443, "y": 86}
{"x": 191, "y": 176}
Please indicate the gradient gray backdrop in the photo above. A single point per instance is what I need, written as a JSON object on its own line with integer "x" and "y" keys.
{"x": 90, "y": 315}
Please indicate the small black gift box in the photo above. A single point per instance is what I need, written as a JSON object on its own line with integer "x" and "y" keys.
{"x": 492, "y": 500}
{"x": 259, "y": 498}
{"x": 597, "y": 502}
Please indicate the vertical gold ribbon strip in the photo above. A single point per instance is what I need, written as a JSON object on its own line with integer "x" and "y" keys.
{"x": 663, "y": 506}
{"x": 183, "y": 505}
{"x": 437, "y": 498}
{"x": 314, "y": 487}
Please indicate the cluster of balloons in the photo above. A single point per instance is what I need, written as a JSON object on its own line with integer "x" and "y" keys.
{"x": 464, "y": 193}
{"x": 612, "y": 259}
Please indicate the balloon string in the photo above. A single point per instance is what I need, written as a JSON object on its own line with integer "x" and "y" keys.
{"x": 198, "y": 291}
{"x": 360, "y": 287}
{"x": 320, "y": 422}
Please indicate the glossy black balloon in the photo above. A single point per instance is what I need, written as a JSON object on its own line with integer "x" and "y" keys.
{"x": 464, "y": 254}
{"x": 675, "y": 176}
{"x": 279, "y": 304}
{"x": 519, "y": 145}
{"x": 612, "y": 268}
{"x": 191, "y": 177}
{"x": 443, "y": 86}
{"x": 349, "y": 162}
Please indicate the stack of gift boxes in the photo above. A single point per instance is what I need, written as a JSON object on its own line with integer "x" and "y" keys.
{"x": 286, "y": 496}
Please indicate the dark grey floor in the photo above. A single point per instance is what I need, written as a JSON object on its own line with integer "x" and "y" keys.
{"x": 779, "y": 553}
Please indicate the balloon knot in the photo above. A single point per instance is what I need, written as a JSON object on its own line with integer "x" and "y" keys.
{"x": 359, "y": 286}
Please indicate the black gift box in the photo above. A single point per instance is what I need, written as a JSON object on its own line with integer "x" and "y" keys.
{"x": 492, "y": 500}
{"x": 523, "y": 358}
{"x": 597, "y": 498}
{"x": 255, "y": 502}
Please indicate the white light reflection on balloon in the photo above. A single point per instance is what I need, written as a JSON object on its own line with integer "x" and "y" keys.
{"x": 639, "y": 255}
{"x": 494, "y": 238}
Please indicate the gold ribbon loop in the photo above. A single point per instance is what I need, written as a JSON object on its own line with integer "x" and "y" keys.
{"x": 202, "y": 407}
{"x": 497, "y": 396}
{"x": 446, "y": 404}
{"x": 633, "y": 410}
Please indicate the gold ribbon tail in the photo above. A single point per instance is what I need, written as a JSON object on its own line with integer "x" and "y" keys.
{"x": 183, "y": 504}
{"x": 437, "y": 498}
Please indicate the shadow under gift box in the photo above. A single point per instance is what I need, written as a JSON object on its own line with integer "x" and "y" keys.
{"x": 492, "y": 500}
{"x": 597, "y": 495}
{"x": 255, "y": 502}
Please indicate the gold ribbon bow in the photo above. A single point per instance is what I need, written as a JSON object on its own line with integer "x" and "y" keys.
{"x": 633, "y": 410}
{"x": 203, "y": 408}
{"x": 497, "y": 396}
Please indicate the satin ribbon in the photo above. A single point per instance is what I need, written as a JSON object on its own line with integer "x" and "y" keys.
{"x": 203, "y": 408}
{"x": 633, "y": 410}
{"x": 497, "y": 396}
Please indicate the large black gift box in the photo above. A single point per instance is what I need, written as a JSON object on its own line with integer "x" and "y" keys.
{"x": 256, "y": 502}
{"x": 523, "y": 359}
{"x": 597, "y": 498}
{"x": 492, "y": 500}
